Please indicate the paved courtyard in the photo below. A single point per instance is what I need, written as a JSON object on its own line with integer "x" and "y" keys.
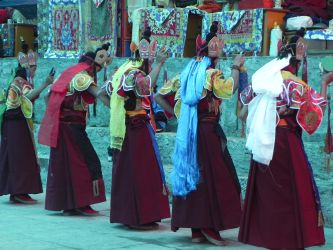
{"x": 25, "y": 227}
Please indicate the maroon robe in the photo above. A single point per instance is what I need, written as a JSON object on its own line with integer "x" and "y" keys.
{"x": 74, "y": 178}
{"x": 216, "y": 203}
{"x": 137, "y": 195}
{"x": 280, "y": 207}
{"x": 19, "y": 170}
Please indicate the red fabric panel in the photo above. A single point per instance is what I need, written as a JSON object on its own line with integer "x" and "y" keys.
{"x": 3, "y": 16}
{"x": 315, "y": 3}
{"x": 49, "y": 128}
{"x": 255, "y": 4}
{"x": 171, "y": 100}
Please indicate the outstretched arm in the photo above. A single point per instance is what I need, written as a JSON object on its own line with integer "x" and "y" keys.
{"x": 238, "y": 63}
{"x": 34, "y": 93}
{"x": 243, "y": 113}
{"x": 96, "y": 93}
{"x": 103, "y": 94}
{"x": 160, "y": 60}
{"x": 327, "y": 79}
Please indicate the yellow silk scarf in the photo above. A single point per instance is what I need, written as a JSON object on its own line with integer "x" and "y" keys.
{"x": 117, "y": 109}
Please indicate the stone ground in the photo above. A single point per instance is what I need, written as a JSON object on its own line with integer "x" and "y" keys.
{"x": 30, "y": 227}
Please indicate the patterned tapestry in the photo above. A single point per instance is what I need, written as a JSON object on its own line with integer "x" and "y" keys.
{"x": 7, "y": 32}
{"x": 168, "y": 27}
{"x": 100, "y": 24}
{"x": 42, "y": 25}
{"x": 241, "y": 30}
{"x": 98, "y": 2}
{"x": 321, "y": 34}
{"x": 65, "y": 29}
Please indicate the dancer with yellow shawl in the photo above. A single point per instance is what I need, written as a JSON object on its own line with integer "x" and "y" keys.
{"x": 139, "y": 196}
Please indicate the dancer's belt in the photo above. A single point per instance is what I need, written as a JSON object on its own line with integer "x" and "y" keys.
{"x": 136, "y": 112}
{"x": 282, "y": 123}
{"x": 73, "y": 116}
{"x": 207, "y": 118}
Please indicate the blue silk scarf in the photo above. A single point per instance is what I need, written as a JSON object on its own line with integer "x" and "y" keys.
{"x": 185, "y": 175}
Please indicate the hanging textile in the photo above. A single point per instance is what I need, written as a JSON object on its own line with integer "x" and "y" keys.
{"x": 133, "y": 5}
{"x": 168, "y": 27}
{"x": 100, "y": 24}
{"x": 241, "y": 30}
{"x": 97, "y": 2}
{"x": 43, "y": 29}
{"x": 65, "y": 31}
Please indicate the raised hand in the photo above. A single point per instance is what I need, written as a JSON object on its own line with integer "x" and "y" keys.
{"x": 239, "y": 60}
{"x": 328, "y": 79}
{"x": 162, "y": 56}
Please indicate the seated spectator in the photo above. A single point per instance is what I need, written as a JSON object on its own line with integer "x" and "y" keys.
{"x": 160, "y": 119}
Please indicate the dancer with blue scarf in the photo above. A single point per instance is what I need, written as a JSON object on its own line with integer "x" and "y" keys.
{"x": 206, "y": 190}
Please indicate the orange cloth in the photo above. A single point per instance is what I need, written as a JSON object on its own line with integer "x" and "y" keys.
{"x": 210, "y": 6}
{"x": 283, "y": 123}
{"x": 136, "y": 112}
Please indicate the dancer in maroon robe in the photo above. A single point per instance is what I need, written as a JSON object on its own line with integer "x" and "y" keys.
{"x": 19, "y": 168}
{"x": 282, "y": 205}
{"x": 74, "y": 176}
{"x": 213, "y": 203}
{"x": 139, "y": 196}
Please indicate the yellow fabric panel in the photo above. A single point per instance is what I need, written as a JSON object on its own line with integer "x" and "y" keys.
{"x": 209, "y": 75}
{"x": 26, "y": 89}
{"x": 177, "y": 95}
{"x": 176, "y": 109}
{"x": 81, "y": 82}
{"x": 286, "y": 75}
{"x": 26, "y": 107}
{"x": 13, "y": 100}
{"x": 17, "y": 97}
{"x": 31, "y": 127}
{"x": 221, "y": 87}
{"x": 178, "y": 103}
{"x": 117, "y": 110}
{"x": 170, "y": 86}
{"x": 299, "y": 91}
{"x": 204, "y": 93}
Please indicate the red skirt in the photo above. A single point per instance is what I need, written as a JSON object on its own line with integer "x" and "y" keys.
{"x": 74, "y": 177}
{"x": 280, "y": 209}
{"x": 137, "y": 190}
{"x": 19, "y": 170}
{"x": 216, "y": 202}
